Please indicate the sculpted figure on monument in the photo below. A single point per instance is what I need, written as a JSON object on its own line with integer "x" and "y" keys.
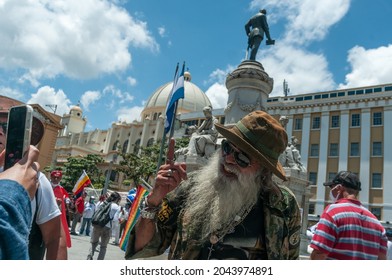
{"x": 203, "y": 140}
{"x": 259, "y": 26}
{"x": 296, "y": 154}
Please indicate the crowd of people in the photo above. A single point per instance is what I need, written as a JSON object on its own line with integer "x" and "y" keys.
{"x": 232, "y": 208}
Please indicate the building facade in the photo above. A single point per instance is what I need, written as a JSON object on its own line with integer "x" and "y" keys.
{"x": 337, "y": 130}
{"x": 344, "y": 130}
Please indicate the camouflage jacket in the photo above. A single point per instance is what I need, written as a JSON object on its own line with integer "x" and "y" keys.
{"x": 281, "y": 229}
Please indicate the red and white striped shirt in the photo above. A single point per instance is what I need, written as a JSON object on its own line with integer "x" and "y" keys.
{"x": 349, "y": 231}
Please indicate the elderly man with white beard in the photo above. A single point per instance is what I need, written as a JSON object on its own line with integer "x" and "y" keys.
{"x": 231, "y": 208}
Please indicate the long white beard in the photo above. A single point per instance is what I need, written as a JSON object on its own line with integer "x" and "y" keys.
{"x": 215, "y": 200}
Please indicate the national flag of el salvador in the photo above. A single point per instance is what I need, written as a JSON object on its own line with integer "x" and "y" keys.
{"x": 176, "y": 93}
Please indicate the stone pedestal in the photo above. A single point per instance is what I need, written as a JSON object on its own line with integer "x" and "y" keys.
{"x": 248, "y": 88}
{"x": 193, "y": 162}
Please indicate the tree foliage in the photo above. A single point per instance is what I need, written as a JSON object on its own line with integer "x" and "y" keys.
{"x": 74, "y": 167}
{"x": 145, "y": 164}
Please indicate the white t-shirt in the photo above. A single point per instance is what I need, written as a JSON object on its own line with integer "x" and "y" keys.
{"x": 47, "y": 206}
{"x": 114, "y": 208}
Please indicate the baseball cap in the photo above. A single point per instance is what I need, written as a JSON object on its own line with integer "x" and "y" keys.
{"x": 347, "y": 179}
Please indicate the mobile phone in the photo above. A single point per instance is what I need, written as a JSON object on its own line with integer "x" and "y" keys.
{"x": 20, "y": 120}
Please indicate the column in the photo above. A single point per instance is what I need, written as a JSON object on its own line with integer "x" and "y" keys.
{"x": 305, "y": 138}
{"x": 387, "y": 174}
{"x": 364, "y": 169}
{"x": 343, "y": 141}
{"x": 323, "y": 157}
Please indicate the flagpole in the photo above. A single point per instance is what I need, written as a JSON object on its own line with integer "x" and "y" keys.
{"x": 173, "y": 121}
{"x": 164, "y": 133}
{"x": 95, "y": 191}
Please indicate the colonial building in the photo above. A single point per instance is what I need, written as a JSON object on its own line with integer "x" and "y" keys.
{"x": 344, "y": 130}
{"x": 122, "y": 136}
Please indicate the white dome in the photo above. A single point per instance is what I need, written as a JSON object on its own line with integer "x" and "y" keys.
{"x": 194, "y": 99}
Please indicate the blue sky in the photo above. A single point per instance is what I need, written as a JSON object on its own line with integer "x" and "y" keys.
{"x": 112, "y": 55}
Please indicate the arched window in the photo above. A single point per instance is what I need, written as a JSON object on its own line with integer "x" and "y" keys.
{"x": 125, "y": 146}
{"x": 150, "y": 142}
{"x": 115, "y": 145}
{"x": 136, "y": 146}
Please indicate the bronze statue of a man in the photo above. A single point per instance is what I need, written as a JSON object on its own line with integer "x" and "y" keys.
{"x": 259, "y": 26}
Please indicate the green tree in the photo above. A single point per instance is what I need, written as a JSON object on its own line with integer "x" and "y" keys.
{"x": 74, "y": 167}
{"x": 145, "y": 165}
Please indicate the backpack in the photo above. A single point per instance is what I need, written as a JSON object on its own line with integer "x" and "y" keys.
{"x": 102, "y": 216}
{"x": 36, "y": 244}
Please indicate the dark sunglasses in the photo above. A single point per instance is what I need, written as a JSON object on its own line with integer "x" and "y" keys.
{"x": 240, "y": 158}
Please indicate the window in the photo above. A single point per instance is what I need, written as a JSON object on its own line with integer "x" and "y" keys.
{"x": 312, "y": 208}
{"x": 333, "y": 149}
{"x": 335, "y": 121}
{"x": 377, "y": 118}
{"x": 376, "y": 181}
{"x": 298, "y": 124}
{"x": 136, "y": 146}
{"x": 354, "y": 149}
{"x": 314, "y": 150}
{"x": 115, "y": 145}
{"x": 316, "y": 123}
{"x": 376, "y": 211}
{"x": 150, "y": 142}
{"x": 313, "y": 178}
{"x": 377, "y": 149}
{"x": 355, "y": 120}
{"x": 331, "y": 176}
{"x": 125, "y": 146}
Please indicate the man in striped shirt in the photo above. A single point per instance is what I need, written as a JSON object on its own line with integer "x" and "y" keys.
{"x": 347, "y": 230}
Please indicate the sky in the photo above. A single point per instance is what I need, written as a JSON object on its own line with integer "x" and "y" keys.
{"x": 109, "y": 56}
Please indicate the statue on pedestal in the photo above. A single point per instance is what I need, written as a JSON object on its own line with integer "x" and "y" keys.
{"x": 259, "y": 26}
{"x": 291, "y": 157}
{"x": 203, "y": 138}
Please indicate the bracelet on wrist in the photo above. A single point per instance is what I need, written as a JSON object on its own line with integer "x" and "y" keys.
{"x": 148, "y": 212}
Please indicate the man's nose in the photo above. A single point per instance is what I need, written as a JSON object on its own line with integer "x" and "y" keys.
{"x": 229, "y": 158}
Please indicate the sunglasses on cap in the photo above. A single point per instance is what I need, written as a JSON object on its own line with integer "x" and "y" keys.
{"x": 240, "y": 158}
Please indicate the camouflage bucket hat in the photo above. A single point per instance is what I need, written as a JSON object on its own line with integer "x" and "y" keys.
{"x": 259, "y": 135}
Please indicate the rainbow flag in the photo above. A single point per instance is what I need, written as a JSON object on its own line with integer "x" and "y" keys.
{"x": 83, "y": 182}
{"x": 134, "y": 212}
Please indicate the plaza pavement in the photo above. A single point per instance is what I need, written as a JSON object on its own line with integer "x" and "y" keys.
{"x": 81, "y": 246}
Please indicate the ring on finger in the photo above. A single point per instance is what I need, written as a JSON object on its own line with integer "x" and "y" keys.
{"x": 169, "y": 173}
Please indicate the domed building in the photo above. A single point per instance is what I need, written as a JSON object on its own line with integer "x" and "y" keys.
{"x": 122, "y": 136}
{"x": 194, "y": 99}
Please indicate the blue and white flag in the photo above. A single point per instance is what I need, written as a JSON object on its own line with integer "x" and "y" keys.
{"x": 176, "y": 93}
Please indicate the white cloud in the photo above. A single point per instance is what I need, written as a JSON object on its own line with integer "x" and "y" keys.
{"x": 114, "y": 92}
{"x": 217, "y": 93}
{"x": 129, "y": 114}
{"x": 89, "y": 97}
{"x": 48, "y": 96}
{"x": 369, "y": 67}
{"x": 304, "y": 71}
{"x": 307, "y": 20}
{"x": 131, "y": 81}
{"x": 162, "y": 31}
{"x": 78, "y": 39}
{"x": 12, "y": 93}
